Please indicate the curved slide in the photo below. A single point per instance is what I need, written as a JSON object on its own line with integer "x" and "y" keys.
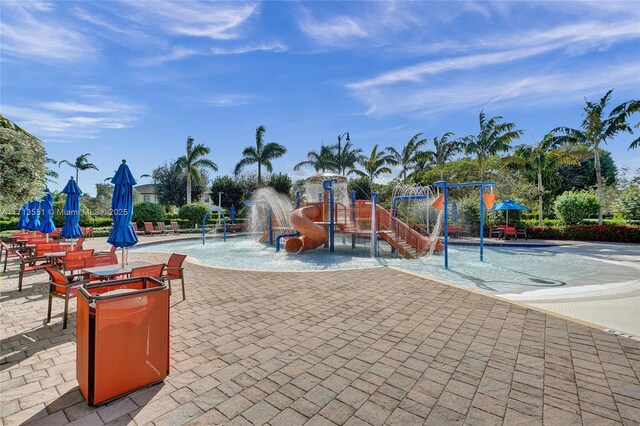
{"x": 311, "y": 235}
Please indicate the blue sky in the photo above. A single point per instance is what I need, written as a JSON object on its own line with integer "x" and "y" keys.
{"x": 133, "y": 79}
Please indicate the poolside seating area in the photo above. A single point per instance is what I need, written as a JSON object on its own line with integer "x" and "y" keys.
{"x": 69, "y": 266}
{"x": 288, "y": 349}
{"x": 506, "y": 232}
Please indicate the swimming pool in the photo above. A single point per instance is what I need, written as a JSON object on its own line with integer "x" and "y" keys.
{"x": 505, "y": 269}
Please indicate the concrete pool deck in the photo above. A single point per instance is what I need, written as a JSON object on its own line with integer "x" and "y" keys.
{"x": 371, "y": 346}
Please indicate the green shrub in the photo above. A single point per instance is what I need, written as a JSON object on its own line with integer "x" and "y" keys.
{"x": 628, "y": 204}
{"x": 573, "y": 206}
{"x": 58, "y": 214}
{"x": 468, "y": 213}
{"x": 193, "y": 213}
{"x": 148, "y": 212}
{"x": 281, "y": 183}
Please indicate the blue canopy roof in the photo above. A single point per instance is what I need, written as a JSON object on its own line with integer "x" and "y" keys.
{"x": 509, "y": 205}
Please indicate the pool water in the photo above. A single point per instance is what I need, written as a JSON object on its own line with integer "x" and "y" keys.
{"x": 504, "y": 270}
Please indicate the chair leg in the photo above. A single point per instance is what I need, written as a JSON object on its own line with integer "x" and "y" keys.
{"x": 183, "y": 294}
{"x": 20, "y": 279}
{"x": 50, "y": 304}
{"x": 5, "y": 262}
{"x": 66, "y": 308}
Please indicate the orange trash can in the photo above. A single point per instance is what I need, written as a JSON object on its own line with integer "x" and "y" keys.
{"x": 122, "y": 337}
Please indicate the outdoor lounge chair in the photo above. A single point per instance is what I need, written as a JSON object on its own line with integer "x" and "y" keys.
{"x": 63, "y": 287}
{"x": 74, "y": 260}
{"x": 175, "y": 227}
{"x": 8, "y": 252}
{"x": 510, "y": 231}
{"x": 148, "y": 228}
{"x": 521, "y": 232}
{"x": 135, "y": 228}
{"x": 175, "y": 270}
{"x": 496, "y": 232}
{"x": 162, "y": 228}
{"x": 28, "y": 265}
{"x": 153, "y": 271}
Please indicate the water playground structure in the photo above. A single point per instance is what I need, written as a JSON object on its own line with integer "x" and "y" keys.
{"x": 325, "y": 213}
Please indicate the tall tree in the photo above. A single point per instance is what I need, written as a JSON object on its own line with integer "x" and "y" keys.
{"x": 544, "y": 158}
{"x": 171, "y": 185}
{"x": 346, "y": 157}
{"x": 262, "y": 154}
{"x": 320, "y": 161}
{"x": 375, "y": 164}
{"x": 597, "y": 128}
{"x": 193, "y": 162}
{"x": 493, "y": 138}
{"x": 409, "y": 156}
{"x": 443, "y": 151}
{"x": 80, "y": 163}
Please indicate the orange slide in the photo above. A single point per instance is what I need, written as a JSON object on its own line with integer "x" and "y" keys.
{"x": 311, "y": 235}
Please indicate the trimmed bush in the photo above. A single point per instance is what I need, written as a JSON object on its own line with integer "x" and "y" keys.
{"x": 610, "y": 233}
{"x": 573, "y": 206}
{"x": 148, "y": 212}
{"x": 193, "y": 213}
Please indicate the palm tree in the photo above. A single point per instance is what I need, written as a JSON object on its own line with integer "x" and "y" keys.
{"x": 320, "y": 161}
{"x": 375, "y": 165}
{"x": 52, "y": 175}
{"x": 597, "y": 129}
{"x": 81, "y": 163}
{"x": 346, "y": 157}
{"x": 443, "y": 152}
{"x": 494, "y": 137}
{"x": 409, "y": 156}
{"x": 261, "y": 154}
{"x": 193, "y": 162}
{"x": 544, "y": 158}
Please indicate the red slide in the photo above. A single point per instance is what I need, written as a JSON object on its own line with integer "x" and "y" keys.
{"x": 311, "y": 235}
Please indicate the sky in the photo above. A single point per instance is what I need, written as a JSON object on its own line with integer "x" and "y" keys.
{"x": 134, "y": 79}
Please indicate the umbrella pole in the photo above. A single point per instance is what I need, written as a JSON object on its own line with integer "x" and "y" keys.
{"x": 47, "y": 235}
{"x": 122, "y": 257}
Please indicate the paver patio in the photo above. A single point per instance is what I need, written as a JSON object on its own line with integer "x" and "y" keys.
{"x": 374, "y": 346}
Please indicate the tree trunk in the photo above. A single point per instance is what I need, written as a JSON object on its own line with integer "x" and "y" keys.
{"x": 540, "y": 190}
{"x": 77, "y": 176}
{"x": 188, "y": 188}
{"x": 259, "y": 174}
{"x": 482, "y": 169}
{"x": 441, "y": 173}
{"x": 596, "y": 158}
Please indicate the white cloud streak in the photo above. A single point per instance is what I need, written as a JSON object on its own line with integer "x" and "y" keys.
{"x": 30, "y": 32}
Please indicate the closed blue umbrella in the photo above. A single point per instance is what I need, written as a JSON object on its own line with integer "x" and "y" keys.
{"x": 24, "y": 219}
{"x": 47, "y": 224}
{"x": 71, "y": 228}
{"x": 454, "y": 213}
{"x": 509, "y": 205}
{"x": 34, "y": 217}
{"x": 233, "y": 214}
{"x": 122, "y": 235}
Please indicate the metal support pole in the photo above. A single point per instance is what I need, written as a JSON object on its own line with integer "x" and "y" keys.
{"x": 482, "y": 223}
{"x": 374, "y": 225}
{"x": 327, "y": 185}
{"x": 446, "y": 226}
{"x": 270, "y": 226}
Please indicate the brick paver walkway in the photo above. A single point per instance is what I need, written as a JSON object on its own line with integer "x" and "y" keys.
{"x": 370, "y": 346}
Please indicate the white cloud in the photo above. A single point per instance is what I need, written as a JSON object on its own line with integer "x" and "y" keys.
{"x": 576, "y": 38}
{"x": 478, "y": 91}
{"x": 176, "y": 53}
{"x": 74, "y": 120}
{"x": 30, "y": 32}
{"x": 215, "y": 20}
{"x": 275, "y": 46}
{"x": 228, "y": 100}
{"x": 337, "y": 31}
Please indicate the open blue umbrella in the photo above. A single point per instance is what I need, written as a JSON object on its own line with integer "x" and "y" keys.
{"x": 233, "y": 213}
{"x": 71, "y": 228}
{"x": 34, "y": 217}
{"x": 47, "y": 224}
{"x": 509, "y": 205}
{"x": 23, "y": 221}
{"x": 122, "y": 235}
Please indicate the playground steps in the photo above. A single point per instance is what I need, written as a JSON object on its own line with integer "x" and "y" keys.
{"x": 405, "y": 249}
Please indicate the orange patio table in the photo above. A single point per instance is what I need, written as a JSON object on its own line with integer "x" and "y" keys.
{"x": 122, "y": 336}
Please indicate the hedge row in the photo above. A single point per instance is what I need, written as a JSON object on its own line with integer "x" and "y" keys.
{"x": 610, "y": 233}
